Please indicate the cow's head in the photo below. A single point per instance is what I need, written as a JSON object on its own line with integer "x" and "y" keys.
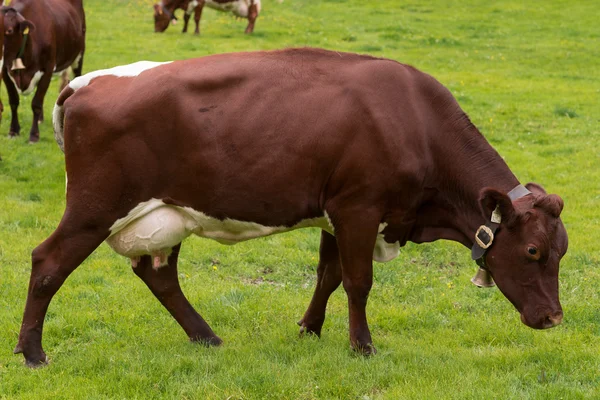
{"x": 162, "y": 17}
{"x": 526, "y": 252}
{"x": 16, "y": 27}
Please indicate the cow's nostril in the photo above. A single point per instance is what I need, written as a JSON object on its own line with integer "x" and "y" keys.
{"x": 553, "y": 320}
{"x": 557, "y": 319}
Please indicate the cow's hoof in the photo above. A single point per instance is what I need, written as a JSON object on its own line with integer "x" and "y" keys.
{"x": 33, "y": 361}
{"x": 366, "y": 350}
{"x": 210, "y": 341}
{"x": 12, "y": 134}
{"x": 34, "y": 139}
{"x": 306, "y": 329}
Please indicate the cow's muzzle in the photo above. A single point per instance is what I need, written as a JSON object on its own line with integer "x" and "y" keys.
{"x": 550, "y": 320}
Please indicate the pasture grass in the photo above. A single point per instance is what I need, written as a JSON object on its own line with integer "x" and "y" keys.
{"x": 526, "y": 73}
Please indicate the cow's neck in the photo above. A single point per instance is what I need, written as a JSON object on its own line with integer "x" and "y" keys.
{"x": 465, "y": 163}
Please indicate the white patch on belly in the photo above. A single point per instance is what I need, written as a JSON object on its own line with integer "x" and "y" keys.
{"x": 153, "y": 228}
{"x": 385, "y": 251}
{"x": 32, "y": 84}
{"x": 239, "y": 7}
{"x": 123, "y": 70}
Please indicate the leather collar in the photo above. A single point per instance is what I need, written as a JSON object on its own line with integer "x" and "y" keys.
{"x": 484, "y": 237}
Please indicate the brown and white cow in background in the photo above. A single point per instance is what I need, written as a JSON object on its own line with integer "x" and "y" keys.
{"x": 164, "y": 12}
{"x": 373, "y": 152}
{"x": 41, "y": 38}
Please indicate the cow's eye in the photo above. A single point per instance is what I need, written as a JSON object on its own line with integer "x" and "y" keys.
{"x": 533, "y": 253}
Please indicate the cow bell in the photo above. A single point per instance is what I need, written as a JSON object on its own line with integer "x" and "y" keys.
{"x": 17, "y": 64}
{"x": 483, "y": 279}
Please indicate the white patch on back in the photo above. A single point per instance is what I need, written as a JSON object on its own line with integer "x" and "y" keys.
{"x": 32, "y": 84}
{"x": 153, "y": 227}
{"x": 128, "y": 70}
{"x": 120, "y": 71}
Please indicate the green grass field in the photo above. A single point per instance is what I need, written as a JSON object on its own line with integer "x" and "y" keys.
{"x": 528, "y": 76}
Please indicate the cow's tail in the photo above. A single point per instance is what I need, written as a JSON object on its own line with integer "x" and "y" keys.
{"x": 58, "y": 116}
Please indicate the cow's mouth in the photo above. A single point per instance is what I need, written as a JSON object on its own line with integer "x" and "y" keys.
{"x": 547, "y": 322}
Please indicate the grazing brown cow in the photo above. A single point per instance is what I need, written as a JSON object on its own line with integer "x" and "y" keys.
{"x": 164, "y": 12}
{"x": 41, "y": 38}
{"x": 237, "y": 146}
{"x": 1, "y": 58}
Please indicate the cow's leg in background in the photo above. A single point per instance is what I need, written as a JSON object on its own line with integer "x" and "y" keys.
{"x": 13, "y": 100}
{"x": 64, "y": 80}
{"x": 329, "y": 277}
{"x": 197, "y": 16}
{"x": 164, "y": 284}
{"x": 52, "y": 262}
{"x": 1, "y": 104}
{"x": 37, "y": 106}
{"x": 186, "y": 19}
{"x": 252, "y": 15}
{"x": 356, "y": 233}
{"x": 78, "y": 65}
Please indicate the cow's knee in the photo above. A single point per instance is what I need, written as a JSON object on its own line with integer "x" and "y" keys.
{"x": 358, "y": 289}
{"x": 46, "y": 279}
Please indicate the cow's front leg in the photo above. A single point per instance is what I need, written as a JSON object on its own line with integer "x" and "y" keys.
{"x": 164, "y": 284}
{"x": 252, "y": 15}
{"x": 52, "y": 262}
{"x": 186, "y": 20}
{"x": 13, "y": 100}
{"x": 197, "y": 16}
{"x": 329, "y": 277}
{"x": 356, "y": 232}
{"x": 37, "y": 106}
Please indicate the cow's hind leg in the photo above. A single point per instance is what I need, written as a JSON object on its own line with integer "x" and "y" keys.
{"x": 329, "y": 277}
{"x": 356, "y": 232}
{"x": 197, "y": 16}
{"x": 252, "y": 15}
{"x": 164, "y": 284}
{"x": 52, "y": 262}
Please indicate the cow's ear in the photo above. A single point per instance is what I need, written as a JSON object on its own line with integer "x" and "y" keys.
{"x": 26, "y": 26}
{"x": 535, "y": 188}
{"x": 490, "y": 198}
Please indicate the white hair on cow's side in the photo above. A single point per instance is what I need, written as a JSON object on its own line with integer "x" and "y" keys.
{"x": 57, "y": 122}
{"x": 128, "y": 70}
{"x": 191, "y": 6}
{"x": 237, "y": 7}
{"x": 153, "y": 228}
